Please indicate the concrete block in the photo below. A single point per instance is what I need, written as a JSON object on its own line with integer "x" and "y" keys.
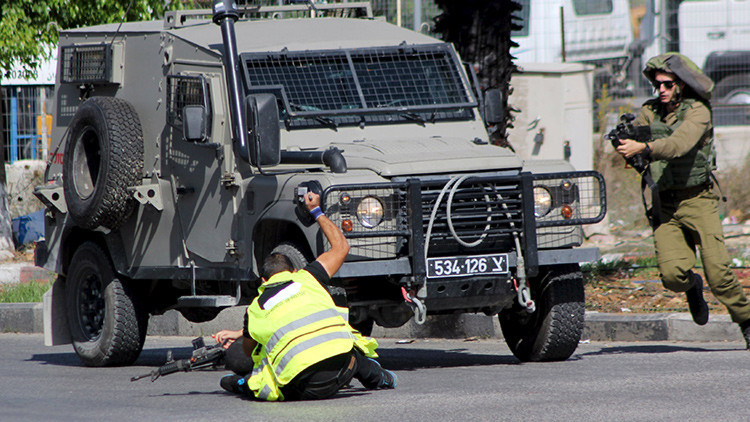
{"x": 172, "y": 323}
{"x": 718, "y": 328}
{"x": 445, "y": 326}
{"x": 632, "y": 327}
{"x": 21, "y": 317}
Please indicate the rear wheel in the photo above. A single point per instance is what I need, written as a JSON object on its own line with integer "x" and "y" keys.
{"x": 553, "y": 331}
{"x": 106, "y": 320}
{"x": 734, "y": 89}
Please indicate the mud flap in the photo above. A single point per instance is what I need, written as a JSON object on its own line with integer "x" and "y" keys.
{"x": 56, "y": 331}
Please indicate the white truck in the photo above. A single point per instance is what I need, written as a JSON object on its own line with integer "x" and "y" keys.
{"x": 597, "y": 32}
{"x": 712, "y": 33}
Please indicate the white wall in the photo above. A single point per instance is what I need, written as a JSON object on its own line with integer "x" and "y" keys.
{"x": 555, "y": 100}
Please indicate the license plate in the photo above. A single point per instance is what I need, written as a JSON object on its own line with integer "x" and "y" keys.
{"x": 457, "y": 266}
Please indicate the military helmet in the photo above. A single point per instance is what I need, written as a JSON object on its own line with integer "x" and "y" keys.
{"x": 684, "y": 68}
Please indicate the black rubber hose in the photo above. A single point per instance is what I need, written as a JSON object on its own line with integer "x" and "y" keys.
{"x": 332, "y": 158}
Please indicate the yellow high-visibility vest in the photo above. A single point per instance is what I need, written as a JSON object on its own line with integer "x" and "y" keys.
{"x": 296, "y": 325}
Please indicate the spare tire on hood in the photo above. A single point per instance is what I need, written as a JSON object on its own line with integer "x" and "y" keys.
{"x": 103, "y": 158}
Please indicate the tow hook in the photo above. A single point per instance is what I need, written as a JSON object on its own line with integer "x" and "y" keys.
{"x": 420, "y": 312}
{"x": 524, "y": 296}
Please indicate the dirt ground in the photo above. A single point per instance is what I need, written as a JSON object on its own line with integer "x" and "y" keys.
{"x": 631, "y": 282}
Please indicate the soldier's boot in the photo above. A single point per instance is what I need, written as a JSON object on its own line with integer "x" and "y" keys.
{"x": 745, "y": 327}
{"x": 696, "y": 303}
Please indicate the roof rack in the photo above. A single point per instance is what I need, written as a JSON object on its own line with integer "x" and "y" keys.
{"x": 179, "y": 18}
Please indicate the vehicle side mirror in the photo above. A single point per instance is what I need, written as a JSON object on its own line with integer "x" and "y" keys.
{"x": 194, "y": 123}
{"x": 264, "y": 142}
{"x": 493, "y": 107}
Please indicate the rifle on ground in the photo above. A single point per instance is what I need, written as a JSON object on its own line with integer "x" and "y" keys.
{"x": 203, "y": 357}
{"x": 627, "y": 130}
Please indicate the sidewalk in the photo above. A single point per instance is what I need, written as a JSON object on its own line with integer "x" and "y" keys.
{"x": 27, "y": 318}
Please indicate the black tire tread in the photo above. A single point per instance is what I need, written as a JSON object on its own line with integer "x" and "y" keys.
{"x": 120, "y": 342}
{"x": 123, "y": 165}
{"x": 554, "y": 333}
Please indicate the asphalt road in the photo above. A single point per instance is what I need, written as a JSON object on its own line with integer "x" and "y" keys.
{"x": 438, "y": 380}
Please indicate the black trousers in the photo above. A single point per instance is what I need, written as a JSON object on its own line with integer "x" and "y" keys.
{"x": 319, "y": 381}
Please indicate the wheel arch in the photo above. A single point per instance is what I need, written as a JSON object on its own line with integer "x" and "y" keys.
{"x": 270, "y": 232}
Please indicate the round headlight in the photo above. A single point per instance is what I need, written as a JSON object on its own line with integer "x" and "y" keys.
{"x": 542, "y": 201}
{"x": 370, "y": 212}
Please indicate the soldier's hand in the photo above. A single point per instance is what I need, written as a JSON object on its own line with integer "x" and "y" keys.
{"x": 629, "y": 147}
{"x": 312, "y": 200}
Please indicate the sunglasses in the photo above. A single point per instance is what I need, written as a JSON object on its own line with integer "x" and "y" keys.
{"x": 667, "y": 84}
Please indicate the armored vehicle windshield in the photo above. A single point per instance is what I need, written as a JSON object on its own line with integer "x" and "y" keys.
{"x": 357, "y": 86}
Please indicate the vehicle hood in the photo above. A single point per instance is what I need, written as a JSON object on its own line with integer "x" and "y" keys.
{"x": 426, "y": 155}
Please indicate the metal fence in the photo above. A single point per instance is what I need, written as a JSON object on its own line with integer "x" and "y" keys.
{"x": 26, "y": 121}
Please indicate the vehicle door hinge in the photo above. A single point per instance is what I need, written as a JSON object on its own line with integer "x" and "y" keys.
{"x": 228, "y": 180}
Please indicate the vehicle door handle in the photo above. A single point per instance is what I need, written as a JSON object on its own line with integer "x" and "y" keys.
{"x": 716, "y": 35}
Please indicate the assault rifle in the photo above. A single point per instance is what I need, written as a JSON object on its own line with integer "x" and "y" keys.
{"x": 203, "y": 357}
{"x": 627, "y": 130}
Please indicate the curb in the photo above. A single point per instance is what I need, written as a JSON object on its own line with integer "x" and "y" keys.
{"x": 15, "y": 273}
{"x": 27, "y": 318}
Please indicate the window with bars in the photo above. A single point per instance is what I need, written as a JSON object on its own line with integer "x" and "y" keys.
{"x": 86, "y": 64}
{"x": 183, "y": 91}
{"x": 413, "y": 82}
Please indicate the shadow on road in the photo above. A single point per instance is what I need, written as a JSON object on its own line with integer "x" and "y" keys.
{"x": 398, "y": 358}
{"x": 650, "y": 349}
{"x": 410, "y": 359}
{"x": 148, "y": 357}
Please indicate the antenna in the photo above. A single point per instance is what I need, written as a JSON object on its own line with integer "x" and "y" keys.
{"x": 124, "y": 16}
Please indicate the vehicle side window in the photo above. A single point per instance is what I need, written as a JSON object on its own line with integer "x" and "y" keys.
{"x": 592, "y": 7}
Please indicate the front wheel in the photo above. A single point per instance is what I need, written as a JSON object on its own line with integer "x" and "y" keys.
{"x": 300, "y": 259}
{"x": 553, "y": 331}
{"x": 106, "y": 320}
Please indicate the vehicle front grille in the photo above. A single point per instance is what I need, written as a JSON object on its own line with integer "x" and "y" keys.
{"x": 484, "y": 213}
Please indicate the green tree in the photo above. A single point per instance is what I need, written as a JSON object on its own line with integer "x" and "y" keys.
{"x": 29, "y": 27}
{"x": 28, "y": 34}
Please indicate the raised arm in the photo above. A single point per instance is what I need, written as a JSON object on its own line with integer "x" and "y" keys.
{"x": 332, "y": 259}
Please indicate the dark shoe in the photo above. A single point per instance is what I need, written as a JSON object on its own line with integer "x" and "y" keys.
{"x": 696, "y": 303}
{"x": 233, "y": 384}
{"x": 745, "y": 327}
{"x": 388, "y": 380}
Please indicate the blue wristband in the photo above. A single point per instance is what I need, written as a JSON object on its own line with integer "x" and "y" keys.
{"x": 316, "y": 212}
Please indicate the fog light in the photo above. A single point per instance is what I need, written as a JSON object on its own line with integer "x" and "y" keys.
{"x": 566, "y": 211}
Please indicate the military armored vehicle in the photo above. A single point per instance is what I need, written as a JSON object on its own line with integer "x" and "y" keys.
{"x": 180, "y": 149}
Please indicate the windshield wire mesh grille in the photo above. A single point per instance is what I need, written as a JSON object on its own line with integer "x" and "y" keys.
{"x": 361, "y": 81}
{"x": 400, "y": 79}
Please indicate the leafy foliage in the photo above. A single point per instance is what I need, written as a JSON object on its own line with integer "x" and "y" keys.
{"x": 24, "y": 292}
{"x": 29, "y": 27}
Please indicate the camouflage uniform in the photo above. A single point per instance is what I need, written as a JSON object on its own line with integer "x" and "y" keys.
{"x": 683, "y": 158}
